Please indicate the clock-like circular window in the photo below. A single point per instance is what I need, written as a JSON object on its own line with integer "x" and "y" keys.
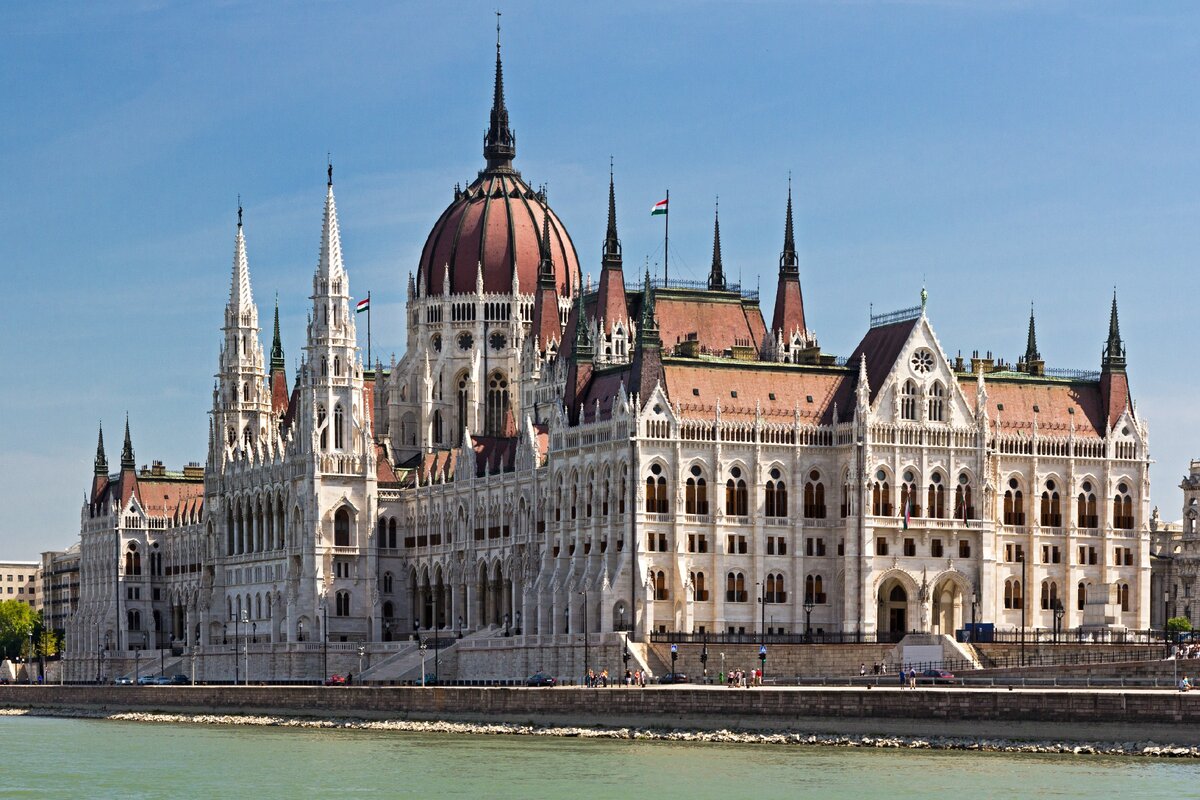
{"x": 465, "y": 341}
{"x": 922, "y": 361}
{"x": 437, "y": 342}
{"x": 498, "y": 340}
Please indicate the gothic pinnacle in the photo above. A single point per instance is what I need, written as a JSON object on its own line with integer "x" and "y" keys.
{"x": 612, "y": 244}
{"x": 716, "y": 277}
{"x": 499, "y": 145}
{"x": 1031, "y": 348}
{"x": 277, "y": 361}
{"x": 127, "y": 460}
{"x": 101, "y": 458}
{"x": 788, "y": 260}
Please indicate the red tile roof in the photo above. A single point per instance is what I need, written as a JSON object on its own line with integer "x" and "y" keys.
{"x": 698, "y": 386}
{"x": 719, "y": 321}
{"x": 1011, "y": 401}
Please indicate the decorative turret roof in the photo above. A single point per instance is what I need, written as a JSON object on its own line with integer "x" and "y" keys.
{"x": 789, "y": 300}
{"x": 716, "y": 276}
{"x": 611, "y": 303}
{"x": 546, "y": 326}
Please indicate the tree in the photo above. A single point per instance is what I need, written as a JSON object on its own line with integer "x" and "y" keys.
{"x": 17, "y": 621}
{"x": 1179, "y": 624}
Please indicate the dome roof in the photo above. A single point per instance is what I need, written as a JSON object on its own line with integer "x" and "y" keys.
{"x": 496, "y": 224}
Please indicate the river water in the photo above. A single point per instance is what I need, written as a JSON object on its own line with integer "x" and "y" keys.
{"x": 53, "y": 757}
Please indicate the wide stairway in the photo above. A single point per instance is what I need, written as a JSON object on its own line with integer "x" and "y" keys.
{"x": 405, "y": 665}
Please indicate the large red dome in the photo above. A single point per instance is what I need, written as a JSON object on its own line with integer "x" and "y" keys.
{"x": 496, "y": 223}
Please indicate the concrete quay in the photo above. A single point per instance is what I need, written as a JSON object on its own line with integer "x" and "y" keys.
{"x": 1062, "y": 715}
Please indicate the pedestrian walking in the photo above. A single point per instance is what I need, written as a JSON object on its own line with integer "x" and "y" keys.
{"x": 903, "y": 678}
{"x": 862, "y": 669}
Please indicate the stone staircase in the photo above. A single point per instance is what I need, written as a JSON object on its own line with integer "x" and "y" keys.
{"x": 385, "y": 666}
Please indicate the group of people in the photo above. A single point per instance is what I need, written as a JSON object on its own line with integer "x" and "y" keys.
{"x": 1185, "y": 685}
{"x": 741, "y": 678}
{"x": 1181, "y": 651}
{"x": 879, "y": 668}
{"x": 594, "y": 679}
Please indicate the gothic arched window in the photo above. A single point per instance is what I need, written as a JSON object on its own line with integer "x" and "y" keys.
{"x": 339, "y": 427}
{"x": 908, "y": 401}
{"x": 341, "y": 528}
{"x": 497, "y": 403}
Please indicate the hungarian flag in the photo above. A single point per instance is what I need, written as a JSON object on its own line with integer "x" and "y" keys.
{"x": 659, "y": 208}
{"x": 363, "y": 305}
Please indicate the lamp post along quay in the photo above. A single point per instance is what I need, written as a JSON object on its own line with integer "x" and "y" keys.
{"x": 245, "y": 650}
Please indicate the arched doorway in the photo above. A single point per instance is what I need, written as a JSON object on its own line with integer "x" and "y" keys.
{"x": 893, "y": 608}
{"x": 947, "y": 606}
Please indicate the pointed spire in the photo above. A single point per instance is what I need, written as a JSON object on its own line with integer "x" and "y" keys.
{"x": 716, "y": 276}
{"x": 546, "y": 265}
{"x": 1031, "y": 348}
{"x": 127, "y": 460}
{"x": 330, "y": 263}
{"x": 277, "y": 362}
{"x": 101, "y": 458}
{"x": 612, "y": 244}
{"x": 240, "y": 297}
{"x": 499, "y": 145}
{"x": 788, "y": 260}
{"x": 1114, "y": 348}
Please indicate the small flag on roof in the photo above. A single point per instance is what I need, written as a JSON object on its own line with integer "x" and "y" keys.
{"x": 659, "y": 208}
{"x": 363, "y": 305}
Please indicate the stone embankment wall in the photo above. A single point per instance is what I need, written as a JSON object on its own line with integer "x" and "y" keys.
{"x": 784, "y": 662}
{"x": 1065, "y": 715}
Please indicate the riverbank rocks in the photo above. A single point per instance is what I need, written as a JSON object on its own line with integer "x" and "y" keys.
{"x": 1144, "y": 749}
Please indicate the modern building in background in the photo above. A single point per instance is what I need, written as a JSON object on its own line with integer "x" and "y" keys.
{"x": 554, "y": 457}
{"x": 58, "y": 580}
{"x": 19, "y": 581}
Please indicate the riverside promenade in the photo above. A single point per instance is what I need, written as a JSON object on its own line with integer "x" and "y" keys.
{"x": 1043, "y": 714}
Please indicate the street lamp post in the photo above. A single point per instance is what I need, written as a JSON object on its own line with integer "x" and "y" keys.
{"x": 1059, "y": 612}
{"x": 246, "y": 648}
{"x": 300, "y": 631}
{"x": 1166, "y": 618}
{"x": 1024, "y": 593}
{"x": 324, "y": 641}
{"x": 29, "y": 660}
{"x": 808, "y": 609}
{"x": 974, "y": 605}
{"x": 437, "y": 645}
{"x": 586, "y": 660}
{"x": 194, "y": 649}
{"x": 237, "y": 629}
{"x": 506, "y": 624}
{"x": 704, "y": 656}
{"x": 423, "y": 648}
{"x": 362, "y": 653}
{"x": 517, "y": 628}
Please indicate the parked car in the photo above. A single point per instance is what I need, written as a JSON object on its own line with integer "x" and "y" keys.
{"x": 938, "y": 675}
{"x": 541, "y": 679}
{"x": 154, "y": 680}
{"x": 335, "y": 680}
{"x": 124, "y": 681}
{"x": 673, "y": 677}
{"x": 179, "y": 680}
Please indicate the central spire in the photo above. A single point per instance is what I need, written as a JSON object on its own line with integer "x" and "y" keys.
{"x": 1114, "y": 348}
{"x": 716, "y": 277}
{"x": 500, "y": 144}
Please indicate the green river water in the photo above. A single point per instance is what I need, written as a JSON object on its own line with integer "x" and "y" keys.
{"x": 51, "y": 757}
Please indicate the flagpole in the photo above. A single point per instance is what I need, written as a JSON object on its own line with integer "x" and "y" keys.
{"x": 666, "y": 239}
{"x": 369, "y": 362}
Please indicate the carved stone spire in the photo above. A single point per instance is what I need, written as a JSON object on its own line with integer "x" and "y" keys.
{"x": 612, "y": 244}
{"x": 611, "y": 303}
{"x": 716, "y": 276}
{"x": 499, "y": 144}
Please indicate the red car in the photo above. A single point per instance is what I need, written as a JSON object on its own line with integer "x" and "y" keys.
{"x": 335, "y": 680}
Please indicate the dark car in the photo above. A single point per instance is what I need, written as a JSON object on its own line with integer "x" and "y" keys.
{"x": 178, "y": 680}
{"x": 673, "y": 677}
{"x": 541, "y": 679}
{"x": 938, "y": 675}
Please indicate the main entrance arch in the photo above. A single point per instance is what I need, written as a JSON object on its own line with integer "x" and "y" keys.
{"x": 894, "y": 607}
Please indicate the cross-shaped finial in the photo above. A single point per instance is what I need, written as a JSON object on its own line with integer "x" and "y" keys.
{"x": 497, "y": 30}
{"x": 239, "y": 209}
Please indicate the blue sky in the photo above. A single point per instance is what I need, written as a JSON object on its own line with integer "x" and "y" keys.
{"x": 1002, "y": 152}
